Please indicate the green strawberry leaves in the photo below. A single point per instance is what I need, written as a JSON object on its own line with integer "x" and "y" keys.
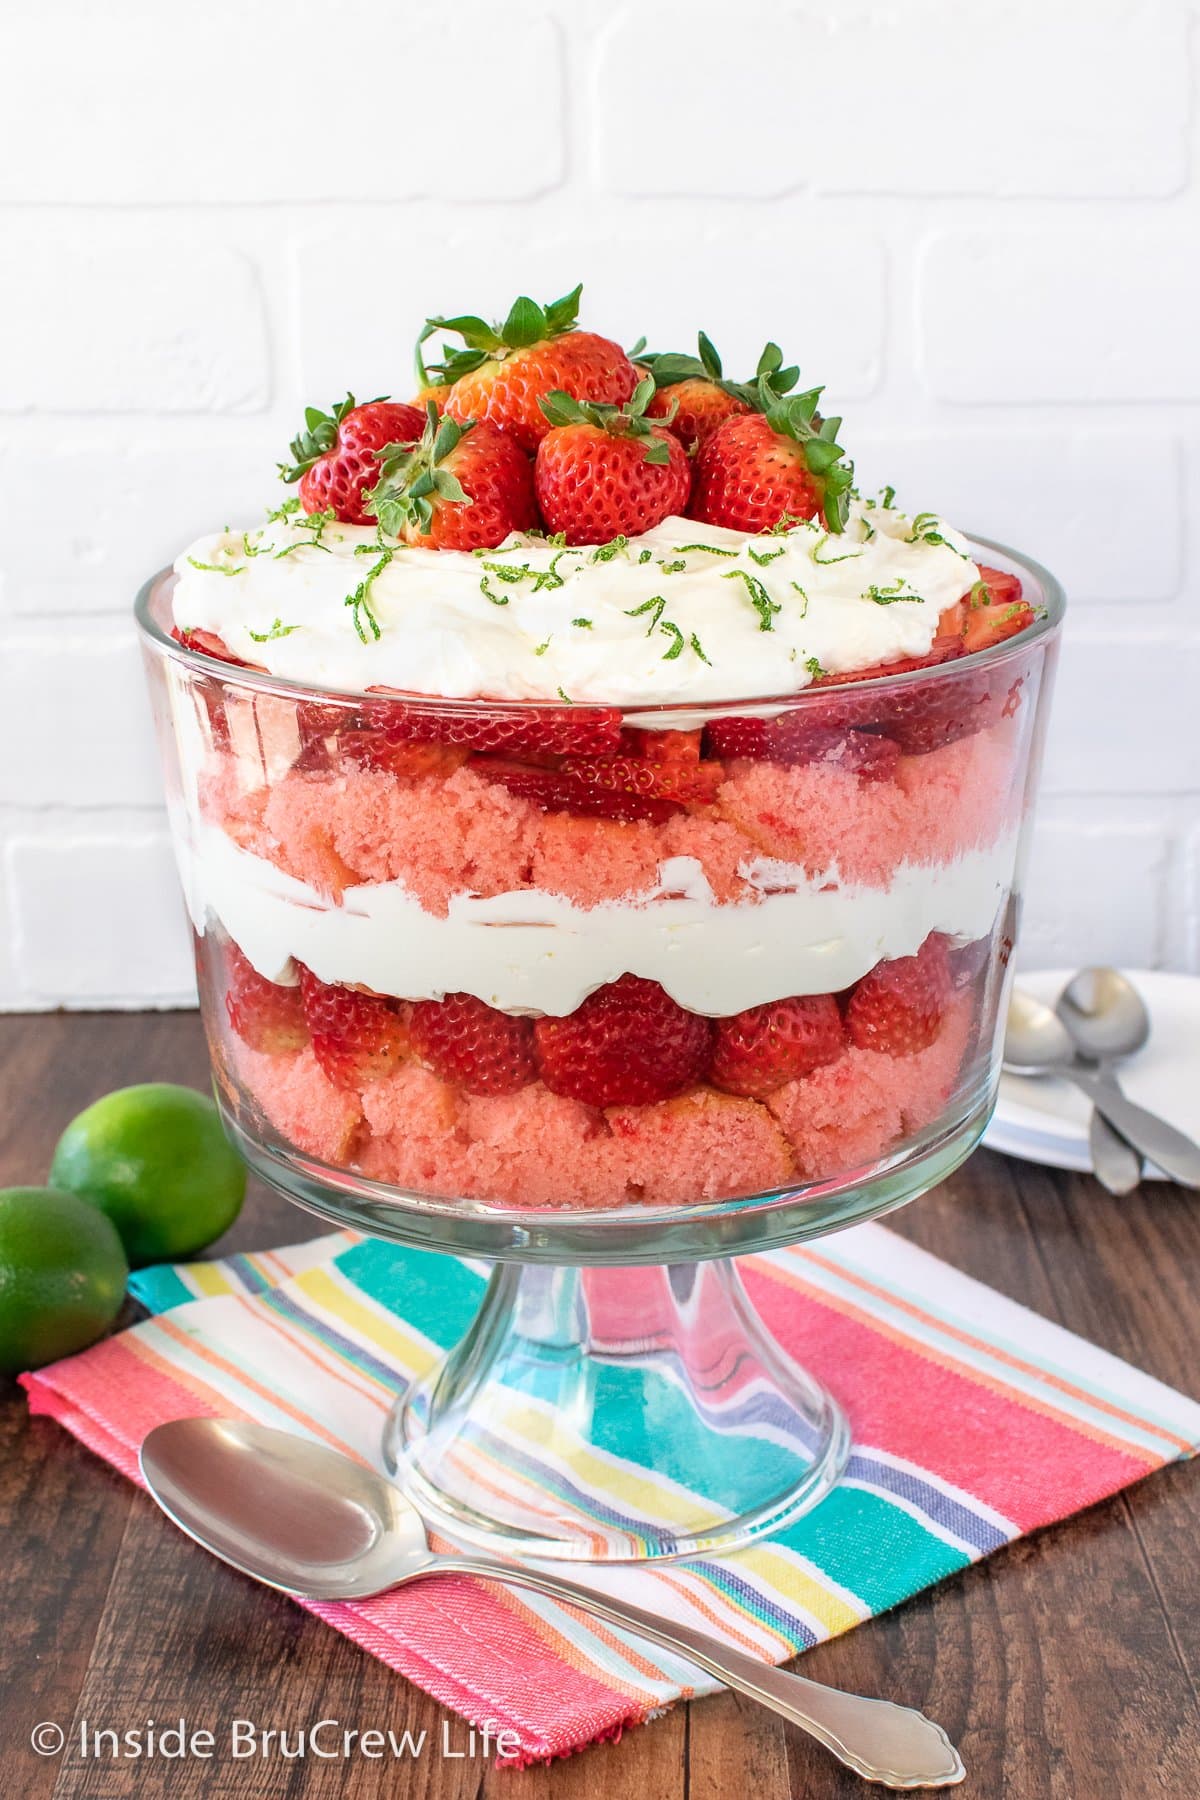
{"x": 527, "y": 324}
{"x": 620, "y": 421}
{"x": 795, "y": 416}
{"x": 669, "y": 367}
{"x": 413, "y": 477}
{"x": 319, "y": 437}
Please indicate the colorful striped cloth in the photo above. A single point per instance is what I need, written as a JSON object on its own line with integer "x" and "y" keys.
{"x": 974, "y": 1422}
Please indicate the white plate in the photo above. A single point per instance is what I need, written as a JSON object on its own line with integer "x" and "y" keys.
{"x": 1044, "y": 1119}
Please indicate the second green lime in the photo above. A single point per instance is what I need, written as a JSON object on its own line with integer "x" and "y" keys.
{"x": 155, "y": 1159}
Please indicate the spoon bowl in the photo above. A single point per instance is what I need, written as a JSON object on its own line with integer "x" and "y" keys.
{"x": 1105, "y": 1014}
{"x": 1035, "y": 1039}
{"x": 292, "y": 1513}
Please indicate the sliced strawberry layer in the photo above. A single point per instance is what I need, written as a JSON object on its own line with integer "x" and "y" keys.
{"x": 836, "y": 725}
{"x": 996, "y": 613}
{"x": 406, "y": 760}
{"x": 898, "y": 1008}
{"x": 661, "y": 746}
{"x": 468, "y": 1042}
{"x": 757, "y": 1051}
{"x": 357, "y": 1038}
{"x": 264, "y": 1014}
{"x": 628, "y": 1044}
{"x": 792, "y": 740}
{"x": 551, "y": 730}
{"x": 209, "y": 644}
{"x": 557, "y": 790}
{"x": 654, "y": 774}
{"x": 687, "y": 783}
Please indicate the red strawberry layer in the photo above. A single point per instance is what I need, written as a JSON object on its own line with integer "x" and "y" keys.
{"x": 629, "y": 1099}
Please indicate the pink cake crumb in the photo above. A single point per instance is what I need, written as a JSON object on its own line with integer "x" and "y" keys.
{"x": 412, "y": 1099}
{"x": 953, "y": 800}
{"x": 849, "y": 1112}
{"x": 721, "y": 850}
{"x": 593, "y": 860}
{"x": 702, "y": 1146}
{"x": 440, "y": 836}
{"x": 447, "y": 835}
{"x": 416, "y": 1141}
{"x": 300, "y": 1102}
{"x": 535, "y": 1148}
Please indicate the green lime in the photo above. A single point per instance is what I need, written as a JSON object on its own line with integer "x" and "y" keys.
{"x": 156, "y": 1160}
{"x": 62, "y": 1276}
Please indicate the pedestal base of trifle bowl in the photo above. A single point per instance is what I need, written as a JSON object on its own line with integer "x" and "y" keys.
{"x": 616, "y": 1397}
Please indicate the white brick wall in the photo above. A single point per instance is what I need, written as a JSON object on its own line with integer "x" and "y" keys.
{"x": 978, "y": 223}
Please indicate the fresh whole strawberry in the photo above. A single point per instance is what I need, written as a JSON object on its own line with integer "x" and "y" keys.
{"x": 758, "y": 1050}
{"x": 461, "y": 487}
{"x": 266, "y": 1015}
{"x": 898, "y": 1008}
{"x": 700, "y": 406}
{"x": 756, "y": 471}
{"x": 504, "y": 371}
{"x": 357, "y": 1038}
{"x": 628, "y": 1044}
{"x": 694, "y": 395}
{"x": 336, "y": 457}
{"x": 605, "y": 471}
{"x": 471, "y": 1044}
{"x": 432, "y": 393}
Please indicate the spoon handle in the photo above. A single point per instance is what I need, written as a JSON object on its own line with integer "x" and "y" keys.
{"x": 1176, "y": 1154}
{"x": 1115, "y": 1163}
{"x": 893, "y": 1745}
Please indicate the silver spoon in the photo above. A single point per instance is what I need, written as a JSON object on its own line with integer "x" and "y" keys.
{"x": 1036, "y": 1042}
{"x": 1106, "y": 1017}
{"x": 307, "y": 1519}
{"x": 1105, "y": 1014}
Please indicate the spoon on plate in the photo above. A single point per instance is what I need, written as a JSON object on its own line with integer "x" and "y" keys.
{"x": 304, "y": 1518}
{"x": 1107, "y": 1018}
{"x": 1036, "y": 1042}
{"x": 1105, "y": 1014}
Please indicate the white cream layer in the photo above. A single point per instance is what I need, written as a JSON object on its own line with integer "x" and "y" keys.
{"x": 657, "y": 621}
{"x": 532, "y": 952}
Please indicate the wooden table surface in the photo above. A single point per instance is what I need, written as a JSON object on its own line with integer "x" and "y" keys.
{"x": 1067, "y": 1665}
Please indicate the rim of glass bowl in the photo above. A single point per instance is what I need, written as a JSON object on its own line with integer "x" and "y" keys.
{"x": 1051, "y": 604}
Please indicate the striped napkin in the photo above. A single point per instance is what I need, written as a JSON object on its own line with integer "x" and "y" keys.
{"x": 974, "y": 1422}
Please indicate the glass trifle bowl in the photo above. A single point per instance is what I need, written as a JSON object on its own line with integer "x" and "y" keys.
{"x": 607, "y": 996}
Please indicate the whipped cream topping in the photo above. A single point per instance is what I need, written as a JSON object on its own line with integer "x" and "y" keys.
{"x": 686, "y": 612}
{"x": 537, "y": 953}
